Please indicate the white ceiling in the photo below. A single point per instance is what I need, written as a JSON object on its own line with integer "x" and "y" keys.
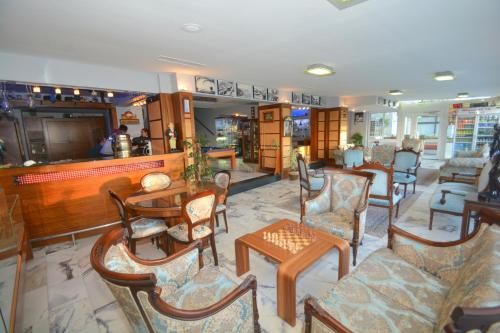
{"x": 375, "y": 46}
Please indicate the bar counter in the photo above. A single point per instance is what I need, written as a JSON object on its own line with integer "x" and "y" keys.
{"x": 64, "y": 198}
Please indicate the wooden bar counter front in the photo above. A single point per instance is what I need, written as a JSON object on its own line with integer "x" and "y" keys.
{"x": 65, "y": 198}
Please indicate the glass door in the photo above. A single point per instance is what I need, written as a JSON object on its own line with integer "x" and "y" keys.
{"x": 464, "y": 133}
{"x": 428, "y": 131}
{"x": 485, "y": 129}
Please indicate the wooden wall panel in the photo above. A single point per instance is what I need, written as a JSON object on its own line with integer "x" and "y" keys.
{"x": 328, "y": 132}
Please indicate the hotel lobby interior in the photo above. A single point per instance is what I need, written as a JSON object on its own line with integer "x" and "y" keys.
{"x": 267, "y": 166}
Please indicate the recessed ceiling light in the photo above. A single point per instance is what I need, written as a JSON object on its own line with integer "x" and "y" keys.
{"x": 76, "y": 92}
{"x": 463, "y": 95}
{"x": 192, "y": 27}
{"x": 37, "y": 89}
{"x": 343, "y": 4}
{"x": 395, "y": 92}
{"x": 444, "y": 76}
{"x": 110, "y": 94}
{"x": 57, "y": 91}
{"x": 319, "y": 70}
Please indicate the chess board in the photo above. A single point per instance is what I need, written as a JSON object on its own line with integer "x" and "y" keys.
{"x": 291, "y": 239}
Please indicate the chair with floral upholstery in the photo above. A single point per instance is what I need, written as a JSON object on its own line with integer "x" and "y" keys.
{"x": 139, "y": 227}
{"x": 198, "y": 214}
{"x": 312, "y": 184}
{"x": 413, "y": 144}
{"x": 384, "y": 192}
{"x": 174, "y": 294}
{"x": 406, "y": 163}
{"x": 417, "y": 285}
{"x": 340, "y": 207}
{"x": 353, "y": 157}
{"x": 383, "y": 154}
{"x": 465, "y": 166}
{"x": 222, "y": 180}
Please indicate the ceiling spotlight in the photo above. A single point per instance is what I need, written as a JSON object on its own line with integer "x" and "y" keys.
{"x": 319, "y": 70}
{"x": 444, "y": 76}
{"x": 192, "y": 27}
{"x": 395, "y": 92}
{"x": 37, "y": 89}
{"x": 110, "y": 94}
{"x": 57, "y": 91}
{"x": 463, "y": 95}
{"x": 76, "y": 92}
{"x": 93, "y": 93}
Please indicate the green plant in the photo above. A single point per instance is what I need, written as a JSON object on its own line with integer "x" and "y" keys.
{"x": 357, "y": 139}
{"x": 293, "y": 160}
{"x": 200, "y": 170}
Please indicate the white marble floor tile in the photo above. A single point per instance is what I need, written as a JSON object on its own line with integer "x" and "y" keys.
{"x": 76, "y": 316}
{"x": 35, "y": 315}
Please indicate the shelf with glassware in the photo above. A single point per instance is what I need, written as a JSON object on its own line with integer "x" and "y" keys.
{"x": 474, "y": 128}
{"x": 229, "y": 133}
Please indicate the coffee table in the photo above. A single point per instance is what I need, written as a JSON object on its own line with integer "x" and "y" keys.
{"x": 314, "y": 243}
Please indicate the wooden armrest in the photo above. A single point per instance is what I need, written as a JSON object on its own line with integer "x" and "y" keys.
{"x": 396, "y": 188}
{"x": 465, "y": 174}
{"x": 467, "y": 319}
{"x": 442, "y": 201}
{"x": 312, "y": 308}
{"x": 250, "y": 283}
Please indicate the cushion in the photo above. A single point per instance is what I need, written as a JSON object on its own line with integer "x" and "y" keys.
{"x": 363, "y": 309}
{"x": 116, "y": 260}
{"x": 470, "y": 162}
{"x": 180, "y": 232}
{"x": 404, "y": 178}
{"x": 382, "y": 202}
{"x": 200, "y": 208}
{"x": 145, "y": 227}
{"x": 403, "y": 283}
{"x": 347, "y": 192}
{"x": 207, "y": 287}
{"x": 316, "y": 183}
{"x": 454, "y": 202}
{"x": 336, "y": 223}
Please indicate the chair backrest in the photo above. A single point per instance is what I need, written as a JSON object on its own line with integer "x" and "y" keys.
{"x": 303, "y": 175}
{"x": 484, "y": 176}
{"x": 199, "y": 209}
{"x": 413, "y": 144}
{"x": 382, "y": 187}
{"x": 350, "y": 190}
{"x": 122, "y": 210}
{"x": 405, "y": 159}
{"x": 353, "y": 157}
{"x": 384, "y": 154}
{"x": 222, "y": 179}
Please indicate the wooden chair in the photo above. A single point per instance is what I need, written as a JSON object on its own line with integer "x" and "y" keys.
{"x": 198, "y": 214}
{"x": 222, "y": 179}
{"x": 174, "y": 293}
{"x": 309, "y": 183}
{"x": 139, "y": 227}
{"x": 406, "y": 163}
{"x": 384, "y": 193}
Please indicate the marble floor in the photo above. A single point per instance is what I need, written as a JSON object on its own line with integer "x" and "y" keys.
{"x": 64, "y": 293}
{"x": 243, "y": 170}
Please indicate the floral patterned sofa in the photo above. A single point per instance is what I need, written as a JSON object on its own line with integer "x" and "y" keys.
{"x": 174, "y": 294}
{"x": 417, "y": 285}
{"x": 464, "y": 167}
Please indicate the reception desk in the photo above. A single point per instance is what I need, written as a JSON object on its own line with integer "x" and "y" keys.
{"x": 63, "y": 199}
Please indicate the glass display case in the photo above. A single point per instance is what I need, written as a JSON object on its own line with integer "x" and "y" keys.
{"x": 474, "y": 128}
{"x": 250, "y": 140}
{"x": 228, "y": 131}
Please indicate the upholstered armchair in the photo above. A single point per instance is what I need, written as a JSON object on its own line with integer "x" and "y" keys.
{"x": 340, "y": 208}
{"x": 174, "y": 294}
{"x": 310, "y": 184}
{"x": 383, "y": 154}
{"x": 222, "y": 180}
{"x": 464, "y": 167}
{"x": 406, "y": 163}
{"x": 417, "y": 285}
{"x": 138, "y": 227}
{"x": 413, "y": 144}
{"x": 384, "y": 192}
{"x": 353, "y": 157}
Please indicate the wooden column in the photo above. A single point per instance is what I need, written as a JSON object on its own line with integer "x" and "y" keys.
{"x": 184, "y": 118}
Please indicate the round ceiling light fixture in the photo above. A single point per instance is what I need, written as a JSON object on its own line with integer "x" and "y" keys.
{"x": 444, "y": 76}
{"x": 319, "y": 70}
{"x": 192, "y": 27}
{"x": 395, "y": 92}
{"x": 463, "y": 95}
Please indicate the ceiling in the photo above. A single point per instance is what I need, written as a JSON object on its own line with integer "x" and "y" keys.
{"x": 375, "y": 46}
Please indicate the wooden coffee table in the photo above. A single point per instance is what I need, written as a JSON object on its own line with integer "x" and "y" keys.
{"x": 316, "y": 243}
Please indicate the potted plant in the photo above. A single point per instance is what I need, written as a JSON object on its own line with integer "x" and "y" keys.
{"x": 293, "y": 174}
{"x": 200, "y": 171}
{"x": 357, "y": 139}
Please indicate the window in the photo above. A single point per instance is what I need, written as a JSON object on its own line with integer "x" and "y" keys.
{"x": 428, "y": 127}
{"x": 407, "y": 126}
{"x": 384, "y": 125}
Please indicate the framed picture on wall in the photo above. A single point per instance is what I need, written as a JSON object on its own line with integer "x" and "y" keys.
{"x": 259, "y": 93}
{"x": 315, "y": 100}
{"x": 287, "y": 126}
{"x": 272, "y": 94}
{"x": 268, "y": 116}
{"x": 244, "y": 90}
{"x": 306, "y": 99}
{"x": 225, "y": 88}
{"x": 204, "y": 85}
{"x": 296, "y": 98}
{"x": 359, "y": 117}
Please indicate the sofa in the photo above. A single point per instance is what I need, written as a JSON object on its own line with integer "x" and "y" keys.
{"x": 417, "y": 285}
{"x": 464, "y": 167}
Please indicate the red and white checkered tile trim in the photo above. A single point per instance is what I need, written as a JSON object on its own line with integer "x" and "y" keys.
{"x": 36, "y": 178}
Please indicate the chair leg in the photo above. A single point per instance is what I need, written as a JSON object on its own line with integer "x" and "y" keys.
{"x": 131, "y": 243}
{"x": 431, "y": 219}
{"x": 390, "y": 217}
{"x": 214, "y": 250}
{"x": 397, "y": 210}
{"x": 414, "y": 185}
{"x": 225, "y": 220}
{"x": 354, "y": 252}
{"x": 300, "y": 198}
{"x": 216, "y": 220}
{"x": 404, "y": 193}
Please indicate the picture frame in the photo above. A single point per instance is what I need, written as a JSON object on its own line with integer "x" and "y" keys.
{"x": 244, "y": 90}
{"x": 359, "y": 117}
{"x": 268, "y": 116}
{"x": 287, "y": 126}
{"x": 225, "y": 88}
{"x": 296, "y": 98}
{"x": 306, "y": 99}
{"x": 259, "y": 93}
{"x": 204, "y": 85}
{"x": 315, "y": 100}
{"x": 272, "y": 94}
